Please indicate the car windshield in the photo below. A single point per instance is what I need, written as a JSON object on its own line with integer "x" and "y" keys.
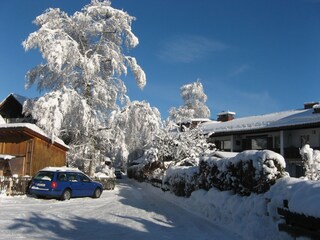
{"x": 44, "y": 175}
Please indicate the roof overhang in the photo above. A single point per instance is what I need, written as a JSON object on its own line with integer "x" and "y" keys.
{"x": 17, "y": 132}
{"x": 265, "y": 130}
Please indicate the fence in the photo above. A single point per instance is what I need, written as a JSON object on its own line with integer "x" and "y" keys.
{"x": 14, "y": 185}
{"x": 298, "y": 225}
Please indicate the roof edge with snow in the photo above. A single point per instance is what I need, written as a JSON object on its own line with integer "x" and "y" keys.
{"x": 267, "y": 122}
{"x": 34, "y": 130}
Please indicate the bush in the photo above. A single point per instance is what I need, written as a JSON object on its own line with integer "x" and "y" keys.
{"x": 248, "y": 172}
{"x": 182, "y": 181}
{"x": 146, "y": 171}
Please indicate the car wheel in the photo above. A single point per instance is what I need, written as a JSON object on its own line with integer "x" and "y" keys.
{"x": 66, "y": 195}
{"x": 97, "y": 193}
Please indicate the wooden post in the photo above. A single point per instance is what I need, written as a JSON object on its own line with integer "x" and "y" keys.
{"x": 9, "y": 190}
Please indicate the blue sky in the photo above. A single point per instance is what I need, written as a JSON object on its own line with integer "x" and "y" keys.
{"x": 252, "y": 56}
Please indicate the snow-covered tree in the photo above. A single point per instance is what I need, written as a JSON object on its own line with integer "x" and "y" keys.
{"x": 194, "y": 105}
{"x": 311, "y": 162}
{"x": 183, "y": 148}
{"x": 132, "y": 129}
{"x": 84, "y": 59}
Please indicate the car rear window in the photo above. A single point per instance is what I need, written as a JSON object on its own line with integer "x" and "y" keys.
{"x": 44, "y": 176}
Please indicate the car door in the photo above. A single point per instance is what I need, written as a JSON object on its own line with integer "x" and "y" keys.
{"x": 87, "y": 187}
{"x": 74, "y": 184}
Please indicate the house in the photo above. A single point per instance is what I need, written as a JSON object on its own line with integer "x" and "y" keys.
{"x": 24, "y": 147}
{"x": 283, "y": 132}
{"x": 27, "y": 149}
{"x": 11, "y": 109}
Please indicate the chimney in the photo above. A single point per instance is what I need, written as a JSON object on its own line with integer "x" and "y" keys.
{"x": 226, "y": 116}
{"x": 316, "y": 108}
{"x": 310, "y": 105}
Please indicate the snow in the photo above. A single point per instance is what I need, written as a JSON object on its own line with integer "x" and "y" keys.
{"x": 272, "y": 120}
{"x": 62, "y": 169}
{"x": 6, "y": 157}
{"x": 259, "y": 157}
{"x": 226, "y": 112}
{"x": 194, "y": 106}
{"x": 2, "y": 121}
{"x": 140, "y": 211}
{"x": 222, "y": 154}
{"x": 131, "y": 211}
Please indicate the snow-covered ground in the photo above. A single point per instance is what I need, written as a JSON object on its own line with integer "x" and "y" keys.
{"x": 140, "y": 211}
{"x": 131, "y": 211}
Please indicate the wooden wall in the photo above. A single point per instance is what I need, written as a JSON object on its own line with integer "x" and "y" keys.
{"x": 46, "y": 154}
{"x": 36, "y": 153}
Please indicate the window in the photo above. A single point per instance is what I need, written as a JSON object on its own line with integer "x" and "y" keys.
{"x": 72, "y": 177}
{"x": 46, "y": 176}
{"x": 226, "y": 145}
{"x": 62, "y": 177}
{"x": 259, "y": 143}
{"x": 83, "y": 178}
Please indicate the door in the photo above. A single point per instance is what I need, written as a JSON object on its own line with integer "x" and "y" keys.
{"x": 87, "y": 187}
{"x": 74, "y": 184}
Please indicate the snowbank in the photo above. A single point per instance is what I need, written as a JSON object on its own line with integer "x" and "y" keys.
{"x": 303, "y": 195}
{"x": 254, "y": 216}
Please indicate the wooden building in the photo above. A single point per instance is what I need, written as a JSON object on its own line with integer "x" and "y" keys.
{"x": 30, "y": 149}
{"x": 24, "y": 147}
{"x": 11, "y": 109}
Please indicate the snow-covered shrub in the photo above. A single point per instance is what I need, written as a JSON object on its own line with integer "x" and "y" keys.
{"x": 249, "y": 172}
{"x": 104, "y": 171}
{"x": 146, "y": 171}
{"x": 311, "y": 162}
{"x": 147, "y": 167}
{"x": 182, "y": 181}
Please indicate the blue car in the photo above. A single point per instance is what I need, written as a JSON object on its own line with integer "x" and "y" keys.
{"x": 64, "y": 183}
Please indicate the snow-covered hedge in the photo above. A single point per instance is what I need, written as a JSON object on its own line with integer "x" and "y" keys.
{"x": 182, "y": 181}
{"x": 249, "y": 172}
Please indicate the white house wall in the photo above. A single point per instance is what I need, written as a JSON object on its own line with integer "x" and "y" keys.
{"x": 291, "y": 138}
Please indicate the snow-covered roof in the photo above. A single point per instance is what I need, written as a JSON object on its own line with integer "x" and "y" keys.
{"x": 187, "y": 120}
{"x": 19, "y": 98}
{"x": 226, "y": 112}
{"x": 35, "y": 129}
{"x": 273, "y": 120}
{"x": 61, "y": 169}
